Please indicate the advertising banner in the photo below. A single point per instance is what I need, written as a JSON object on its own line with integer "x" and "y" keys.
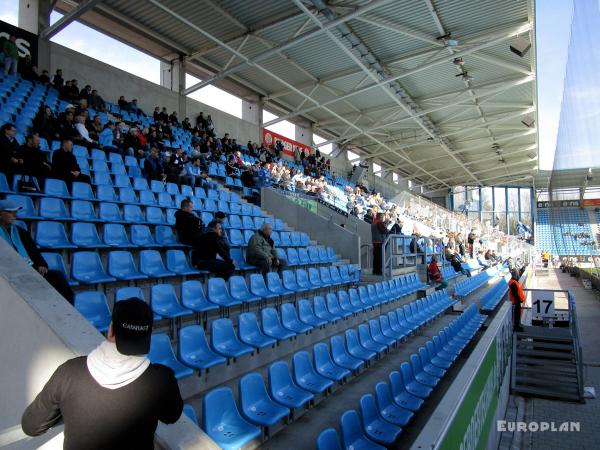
{"x": 559, "y": 204}
{"x": 591, "y": 202}
{"x": 27, "y": 43}
{"x": 270, "y": 137}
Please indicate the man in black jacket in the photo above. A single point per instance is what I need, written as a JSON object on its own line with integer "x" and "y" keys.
{"x": 114, "y": 397}
{"x": 21, "y": 241}
{"x": 212, "y": 244}
{"x": 35, "y": 160}
{"x": 65, "y": 166}
{"x": 188, "y": 225}
{"x": 11, "y": 162}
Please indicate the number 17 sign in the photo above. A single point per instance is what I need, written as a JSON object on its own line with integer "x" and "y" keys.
{"x": 542, "y": 303}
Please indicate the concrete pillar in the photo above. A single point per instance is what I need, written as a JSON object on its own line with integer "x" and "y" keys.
{"x": 172, "y": 76}
{"x": 261, "y": 107}
{"x": 181, "y": 69}
{"x": 304, "y": 133}
{"x": 34, "y": 16}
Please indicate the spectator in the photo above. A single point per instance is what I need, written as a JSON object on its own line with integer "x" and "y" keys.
{"x": 188, "y": 225}
{"x": 154, "y": 167}
{"x": 164, "y": 115}
{"x": 378, "y": 234}
{"x": 65, "y": 166}
{"x": 205, "y": 181}
{"x": 261, "y": 251}
{"x": 192, "y": 172}
{"x": 44, "y": 77}
{"x": 231, "y": 169}
{"x": 95, "y": 101}
{"x": 212, "y": 245}
{"x": 84, "y": 134}
{"x": 20, "y": 240}
{"x": 30, "y": 73}
{"x": 483, "y": 263}
{"x": 114, "y": 397}
{"x": 123, "y": 104}
{"x": 46, "y": 124}
{"x": 436, "y": 275}
{"x": 11, "y": 55}
{"x": 517, "y": 298}
{"x": 11, "y": 162}
{"x": 35, "y": 160}
{"x": 134, "y": 108}
{"x": 221, "y": 218}
{"x": 186, "y": 125}
{"x": 58, "y": 81}
{"x": 173, "y": 118}
{"x": 86, "y": 93}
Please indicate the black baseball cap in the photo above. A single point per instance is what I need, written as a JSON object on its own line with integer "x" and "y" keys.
{"x": 132, "y": 325}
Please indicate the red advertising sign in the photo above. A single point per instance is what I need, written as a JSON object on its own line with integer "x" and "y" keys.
{"x": 591, "y": 202}
{"x": 269, "y": 139}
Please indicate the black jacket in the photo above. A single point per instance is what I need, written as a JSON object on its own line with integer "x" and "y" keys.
{"x": 211, "y": 246}
{"x": 188, "y": 226}
{"x": 31, "y": 249}
{"x": 63, "y": 163}
{"x": 99, "y": 418}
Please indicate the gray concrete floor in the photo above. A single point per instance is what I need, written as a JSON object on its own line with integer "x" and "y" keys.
{"x": 302, "y": 434}
{"x": 588, "y": 413}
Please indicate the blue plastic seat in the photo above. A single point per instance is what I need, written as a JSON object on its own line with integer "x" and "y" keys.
{"x": 56, "y": 188}
{"x": 133, "y": 214}
{"x": 125, "y": 293}
{"x": 250, "y": 332}
{"x": 225, "y": 341}
{"x": 218, "y": 293}
{"x": 157, "y": 186}
{"x": 161, "y": 352}
{"x": 27, "y": 210}
{"x": 272, "y": 325}
{"x": 114, "y": 235}
{"x": 401, "y": 396}
{"x": 193, "y": 297}
{"x": 321, "y": 310}
{"x": 106, "y": 193}
{"x": 313, "y": 255}
{"x": 54, "y": 209}
{"x": 109, "y": 212}
{"x": 283, "y": 389}
{"x": 52, "y": 235}
{"x": 122, "y": 180}
{"x": 367, "y": 341}
{"x": 140, "y": 184}
{"x": 353, "y": 435}
{"x": 389, "y": 409}
{"x": 334, "y": 307}
{"x": 94, "y": 307}
{"x": 305, "y": 375}
{"x": 412, "y": 385}
{"x": 188, "y": 410}
{"x": 239, "y": 290}
{"x": 325, "y": 365}
{"x": 194, "y": 351}
{"x": 122, "y": 266}
{"x": 290, "y": 320}
{"x": 102, "y": 179}
{"x": 165, "y": 200}
{"x": 329, "y": 440}
{"x": 420, "y": 374}
{"x": 152, "y": 265}
{"x": 141, "y": 236}
{"x": 256, "y": 404}
{"x": 292, "y": 257}
{"x": 376, "y": 427}
{"x": 178, "y": 263}
{"x": 222, "y": 421}
{"x": 127, "y": 195}
{"x": 302, "y": 280}
{"x": 258, "y": 287}
{"x": 314, "y": 278}
{"x": 4, "y": 187}
{"x": 165, "y": 303}
{"x": 307, "y": 314}
{"x": 83, "y": 210}
{"x": 238, "y": 256}
{"x": 98, "y": 154}
{"x": 147, "y": 198}
{"x": 84, "y": 234}
{"x": 55, "y": 262}
{"x": 155, "y": 216}
{"x": 341, "y": 356}
{"x": 82, "y": 191}
{"x": 87, "y": 268}
{"x": 289, "y": 282}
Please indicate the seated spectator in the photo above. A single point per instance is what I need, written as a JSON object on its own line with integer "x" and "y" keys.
{"x": 231, "y": 169}
{"x": 483, "y": 263}
{"x": 134, "y": 108}
{"x": 84, "y": 134}
{"x": 164, "y": 115}
{"x": 204, "y": 257}
{"x": 95, "y": 101}
{"x": 171, "y": 171}
{"x": 261, "y": 251}
{"x": 65, "y": 166}
{"x": 221, "y": 217}
{"x": 30, "y": 73}
{"x": 192, "y": 172}
{"x": 436, "y": 275}
{"x": 156, "y": 114}
{"x": 95, "y": 128}
{"x": 85, "y": 93}
{"x": 188, "y": 225}
{"x": 44, "y": 77}
{"x": 11, "y": 162}
{"x": 154, "y": 166}
{"x": 66, "y": 125}
{"x": 20, "y": 240}
{"x": 186, "y": 124}
{"x": 173, "y": 118}
{"x": 35, "y": 160}
{"x": 114, "y": 397}
{"x": 46, "y": 124}
{"x": 205, "y": 181}
{"x": 123, "y": 104}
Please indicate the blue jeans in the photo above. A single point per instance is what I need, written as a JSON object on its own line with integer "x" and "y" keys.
{"x": 10, "y": 65}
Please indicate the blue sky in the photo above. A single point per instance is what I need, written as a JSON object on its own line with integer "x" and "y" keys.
{"x": 553, "y": 18}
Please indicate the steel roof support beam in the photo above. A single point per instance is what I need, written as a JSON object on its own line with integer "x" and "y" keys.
{"x": 494, "y": 39}
{"x": 66, "y": 20}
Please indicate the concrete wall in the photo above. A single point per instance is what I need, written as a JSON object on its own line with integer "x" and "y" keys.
{"x": 325, "y": 231}
{"x": 40, "y": 331}
{"x": 112, "y": 83}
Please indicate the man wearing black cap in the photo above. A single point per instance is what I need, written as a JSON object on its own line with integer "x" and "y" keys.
{"x": 114, "y": 397}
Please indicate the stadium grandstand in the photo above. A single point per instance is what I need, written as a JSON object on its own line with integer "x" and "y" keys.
{"x": 294, "y": 224}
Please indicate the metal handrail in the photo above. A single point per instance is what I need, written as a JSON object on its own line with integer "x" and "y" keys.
{"x": 576, "y": 341}
{"x": 369, "y": 253}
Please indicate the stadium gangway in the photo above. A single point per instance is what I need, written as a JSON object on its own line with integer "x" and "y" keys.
{"x": 396, "y": 253}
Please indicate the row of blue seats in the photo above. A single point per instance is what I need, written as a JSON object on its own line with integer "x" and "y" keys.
{"x": 469, "y": 285}
{"x": 492, "y": 298}
{"x": 296, "y": 389}
{"x": 384, "y": 415}
{"x": 449, "y": 273}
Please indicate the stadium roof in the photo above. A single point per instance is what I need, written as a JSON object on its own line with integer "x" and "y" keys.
{"x": 376, "y": 76}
